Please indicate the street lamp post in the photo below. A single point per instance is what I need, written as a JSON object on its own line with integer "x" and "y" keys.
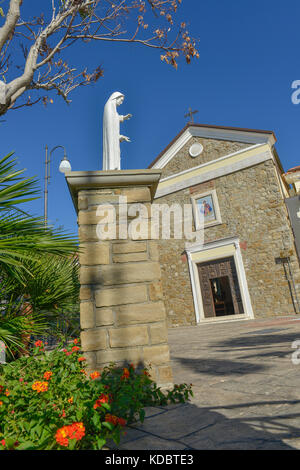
{"x": 63, "y": 168}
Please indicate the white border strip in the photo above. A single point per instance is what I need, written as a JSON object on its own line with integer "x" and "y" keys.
{"x": 203, "y": 165}
{"x": 210, "y": 175}
{"x": 196, "y": 290}
{"x": 218, "y": 218}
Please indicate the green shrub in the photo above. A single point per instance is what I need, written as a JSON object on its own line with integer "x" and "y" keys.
{"x": 48, "y": 401}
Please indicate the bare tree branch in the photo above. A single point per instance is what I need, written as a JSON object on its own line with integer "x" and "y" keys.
{"x": 47, "y": 37}
{"x": 11, "y": 20}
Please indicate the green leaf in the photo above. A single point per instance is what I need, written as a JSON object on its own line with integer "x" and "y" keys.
{"x": 96, "y": 420}
{"x": 79, "y": 414}
{"x": 100, "y": 442}
{"x": 1, "y": 12}
{"x": 142, "y": 415}
{"x": 72, "y": 444}
{"x": 45, "y": 436}
{"x": 10, "y": 443}
{"x": 107, "y": 425}
{"x": 38, "y": 430}
{"x": 26, "y": 446}
{"x": 116, "y": 436}
{"x": 106, "y": 406}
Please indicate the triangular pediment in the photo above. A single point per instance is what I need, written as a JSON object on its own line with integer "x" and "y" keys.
{"x": 213, "y": 142}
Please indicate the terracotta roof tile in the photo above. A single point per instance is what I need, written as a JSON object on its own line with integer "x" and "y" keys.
{"x": 293, "y": 170}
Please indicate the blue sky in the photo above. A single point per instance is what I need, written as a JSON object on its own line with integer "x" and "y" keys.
{"x": 249, "y": 57}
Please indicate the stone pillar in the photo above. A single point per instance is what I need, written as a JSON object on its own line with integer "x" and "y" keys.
{"x": 122, "y": 311}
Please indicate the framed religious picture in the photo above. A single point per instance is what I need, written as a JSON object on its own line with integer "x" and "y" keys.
{"x": 206, "y": 209}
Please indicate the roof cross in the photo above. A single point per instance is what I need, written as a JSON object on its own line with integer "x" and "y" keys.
{"x": 190, "y": 114}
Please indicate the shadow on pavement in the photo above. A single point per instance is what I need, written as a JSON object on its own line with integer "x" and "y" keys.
{"x": 216, "y": 367}
{"x": 187, "y": 426}
{"x": 255, "y": 341}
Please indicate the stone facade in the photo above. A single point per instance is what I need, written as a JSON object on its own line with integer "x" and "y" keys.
{"x": 212, "y": 149}
{"x": 122, "y": 312}
{"x": 252, "y": 208}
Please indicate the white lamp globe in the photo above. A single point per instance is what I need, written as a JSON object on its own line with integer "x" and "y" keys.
{"x": 64, "y": 166}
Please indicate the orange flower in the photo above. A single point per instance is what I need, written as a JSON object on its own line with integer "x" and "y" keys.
{"x": 70, "y": 400}
{"x": 61, "y": 436}
{"x": 83, "y": 371}
{"x": 122, "y": 421}
{"x": 39, "y": 344}
{"x": 77, "y": 431}
{"x": 80, "y": 359}
{"x": 94, "y": 375}
{"x": 40, "y": 386}
{"x": 126, "y": 373}
{"x": 7, "y": 392}
{"x": 75, "y": 348}
{"x": 1, "y": 403}
{"x": 115, "y": 420}
{"x": 72, "y": 431}
{"x": 111, "y": 419}
{"x": 3, "y": 442}
{"x": 102, "y": 399}
{"x": 76, "y": 341}
{"x": 47, "y": 375}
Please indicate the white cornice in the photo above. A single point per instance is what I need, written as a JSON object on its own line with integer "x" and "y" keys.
{"x": 175, "y": 147}
{"x": 213, "y": 133}
{"x": 79, "y": 180}
{"x": 203, "y": 165}
{"x": 208, "y": 174}
{"x": 196, "y": 247}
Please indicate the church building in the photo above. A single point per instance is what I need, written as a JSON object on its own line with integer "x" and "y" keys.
{"x": 248, "y": 266}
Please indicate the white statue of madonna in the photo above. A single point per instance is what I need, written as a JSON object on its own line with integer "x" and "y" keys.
{"x": 111, "y": 132}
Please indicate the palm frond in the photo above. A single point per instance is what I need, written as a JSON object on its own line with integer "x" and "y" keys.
{"x": 13, "y": 189}
{"x": 50, "y": 283}
{"x": 23, "y": 238}
{"x": 14, "y": 324}
{"x": 38, "y": 264}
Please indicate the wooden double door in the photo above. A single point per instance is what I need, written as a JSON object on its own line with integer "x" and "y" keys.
{"x": 220, "y": 290}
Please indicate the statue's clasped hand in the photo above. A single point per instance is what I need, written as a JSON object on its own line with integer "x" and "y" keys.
{"x": 124, "y": 138}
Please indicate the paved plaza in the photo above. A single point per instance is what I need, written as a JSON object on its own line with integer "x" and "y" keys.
{"x": 246, "y": 389}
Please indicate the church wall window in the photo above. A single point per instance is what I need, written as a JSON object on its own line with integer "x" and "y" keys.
{"x": 206, "y": 205}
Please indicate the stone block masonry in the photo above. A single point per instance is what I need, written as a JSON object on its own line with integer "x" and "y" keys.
{"x": 252, "y": 208}
{"x": 122, "y": 311}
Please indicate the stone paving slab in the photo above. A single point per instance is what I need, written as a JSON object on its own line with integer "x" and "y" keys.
{"x": 149, "y": 442}
{"x": 294, "y": 443}
{"x": 151, "y": 411}
{"x": 177, "y": 423}
{"x": 246, "y": 390}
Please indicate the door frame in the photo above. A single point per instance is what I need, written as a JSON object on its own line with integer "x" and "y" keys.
{"x": 213, "y": 251}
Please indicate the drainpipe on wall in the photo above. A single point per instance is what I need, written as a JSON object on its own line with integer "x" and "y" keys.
{"x": 293, "y": 281}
